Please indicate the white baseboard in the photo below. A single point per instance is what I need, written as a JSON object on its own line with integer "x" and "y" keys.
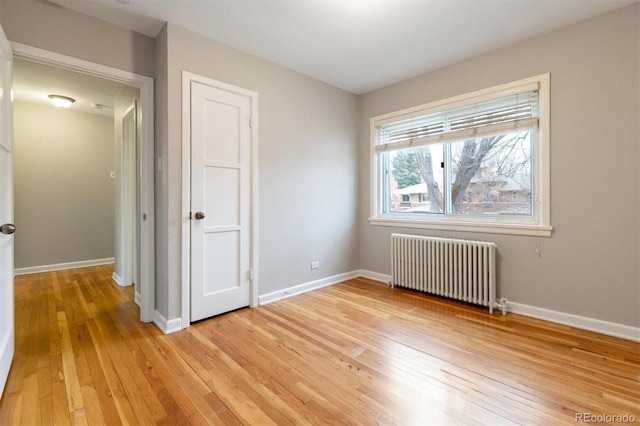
{"x": 137, "y": 298}
{"x": 167, "y": 327}
{"x": 375, "y": 276}
{"x": 577, "y": 321}
{"x": 585, "y": 323}
{"x": 306, "y": 287}
{"x": 116, "y": 278}
{"x": 63, "y": 266}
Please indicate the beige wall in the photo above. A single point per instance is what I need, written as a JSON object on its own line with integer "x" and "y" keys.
{"x": 590, "y": 266}
{"x": 51, "y": 27}
{"x": 307, "y": 162}
{"x": 64, "y": 196}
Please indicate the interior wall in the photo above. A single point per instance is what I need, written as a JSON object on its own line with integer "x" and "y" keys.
{"x": 307, "y": 161}
{"x": 49, "y": 26}
{"x": 64, "y": 196}
{"x": 590, "y": 265}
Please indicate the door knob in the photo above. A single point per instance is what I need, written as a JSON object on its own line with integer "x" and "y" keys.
{"x": 199, "y": 215}
{"x": 8, "y": 228}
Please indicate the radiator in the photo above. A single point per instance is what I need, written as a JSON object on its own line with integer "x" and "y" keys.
{"x": 457, "y": 269}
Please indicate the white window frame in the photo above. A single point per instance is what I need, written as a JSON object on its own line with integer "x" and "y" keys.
{"x": 537, "y": 225}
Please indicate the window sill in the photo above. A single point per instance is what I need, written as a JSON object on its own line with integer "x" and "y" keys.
{"x": 489, "y": 228}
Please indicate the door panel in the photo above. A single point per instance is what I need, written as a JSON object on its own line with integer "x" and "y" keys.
{"x": 222, "y": 124}
{"x": 220, "y": 189}
{"x": 223, "y": 261}
{"x": 7, "y": 342}
{"x": 222, "y": 201}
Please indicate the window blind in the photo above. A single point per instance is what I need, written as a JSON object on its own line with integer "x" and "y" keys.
{"x": 518, "y": 111}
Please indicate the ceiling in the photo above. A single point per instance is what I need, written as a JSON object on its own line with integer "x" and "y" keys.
{"x": 357, "y": 45}
{"x": 33, "y": 83}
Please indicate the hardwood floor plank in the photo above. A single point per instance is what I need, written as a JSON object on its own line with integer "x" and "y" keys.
{"x": 354, "y": 353}
{"x": 58, "y": 386}
{"x": 30, "y": 413}
{"x": 271, "y": 374}
{"x": 133, "y": 383}
{"x": 44, "y": 395}
{"x": 71, "y": 381}
{"x": 178, "y": 405}
{"x": 116, "y": 391}
{"x": 215, "y": 377}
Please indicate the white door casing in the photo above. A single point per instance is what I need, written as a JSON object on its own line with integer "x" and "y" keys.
{"x": 7, "y": 326}
{"x": 222, "y": 188}
{"x": 128, "y": 198}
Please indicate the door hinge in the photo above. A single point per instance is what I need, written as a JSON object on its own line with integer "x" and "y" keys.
{"x": 251, "y": 274}
{"x": 189, "y": 215}
{"x": 251, "y": 122}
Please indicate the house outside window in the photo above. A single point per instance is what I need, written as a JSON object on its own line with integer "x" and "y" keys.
{"x": 476, "y": 162}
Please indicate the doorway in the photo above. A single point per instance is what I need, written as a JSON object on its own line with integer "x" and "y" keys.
{"x": 142, "y": 246}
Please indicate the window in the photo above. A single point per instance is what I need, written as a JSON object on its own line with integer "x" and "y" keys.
{"x": 476, "y": 162}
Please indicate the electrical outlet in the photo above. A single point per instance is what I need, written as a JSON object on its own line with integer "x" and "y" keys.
{"x": 315, "y": 264}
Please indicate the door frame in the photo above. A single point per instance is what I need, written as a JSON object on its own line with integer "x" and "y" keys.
{"x": 187, "y": 79}
{"x": 146, "y": 189}
{"x": 128, "y": 194}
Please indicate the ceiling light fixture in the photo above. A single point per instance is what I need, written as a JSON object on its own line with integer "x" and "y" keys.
{"x": 61, "y": 101}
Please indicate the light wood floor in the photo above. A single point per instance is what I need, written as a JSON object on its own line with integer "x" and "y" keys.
{"x": 357, "y": 353}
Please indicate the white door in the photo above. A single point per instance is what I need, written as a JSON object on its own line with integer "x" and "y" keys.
{"x": 220, "y": 201}
{"x": 7, "y": 342}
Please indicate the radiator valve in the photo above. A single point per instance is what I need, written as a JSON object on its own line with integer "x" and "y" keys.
{"x": 502, "y": 304}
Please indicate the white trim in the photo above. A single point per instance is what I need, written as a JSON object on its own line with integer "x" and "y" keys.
{"x": 577, "y": 321}
{"x": 62, "y": 266}
{"x": 145, "y": 84}
{"x": 116, "y": 278}
{"x": 185, "y": 263}
{"x": 493, "y": 228}
{"x": 126, "y": 183}
{"x": 306, "y": 287}
{"x": 136, "y": 298}
{"x": 383, "y": 278}
{"x": 167, "y": 327}
{"x": 187, "y": 79}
